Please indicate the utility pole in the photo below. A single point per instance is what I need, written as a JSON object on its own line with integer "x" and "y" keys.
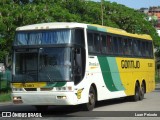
{"x": 102, "y": 11}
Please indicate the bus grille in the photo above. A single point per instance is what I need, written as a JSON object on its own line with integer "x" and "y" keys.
{"x": 30, "y": 89}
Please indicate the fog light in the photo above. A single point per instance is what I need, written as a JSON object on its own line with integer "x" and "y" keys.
{"x": 17, "y": 100}
{"x": 14, "y": 98}
{"x": 61, "y": 97}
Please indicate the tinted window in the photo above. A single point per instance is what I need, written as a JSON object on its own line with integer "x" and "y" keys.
{"x": 109, "y": 45}
{"x": 115, "y": 45}
{"x": 79, "y": 37}
{"x": 90, "y": 42}
{"x": 120, "y": 44}
{"x": 101, "y": 43}
{"x": 104, "y": 43}
{"x": 43, "y": 37}
{"x": 150, "y": 49}
{"x": 96, "y": 43}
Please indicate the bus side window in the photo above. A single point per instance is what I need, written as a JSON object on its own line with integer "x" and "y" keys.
{"x": 115, "y": 45}
{"x": 130, "y": 51}
{"x": 109, "y": 45}
{"x": 103, "y": 44}
{"x": 139, "y": 48}
{"x": 143, "y": 48}
{"x": 90, "y": 42}
{"x": 150, "y": 50}
{"x": 126, "y": 46}
{"x": 79, "y": 37}
{"x": 96, "y": 43}
{"x": 120, "y": 48}
{"x": 135, "y": 48}
{"x": 147, "y": 49}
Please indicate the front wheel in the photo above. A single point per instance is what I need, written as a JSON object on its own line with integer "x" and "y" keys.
{"x": 92, "y": 100}
{"x": 41, "y": 107}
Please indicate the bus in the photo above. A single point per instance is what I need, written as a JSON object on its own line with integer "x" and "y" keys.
{"x": 65, "y": 63}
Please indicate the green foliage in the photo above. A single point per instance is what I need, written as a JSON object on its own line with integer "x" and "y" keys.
{"x": 5, "y": 97}
{"x": 15, "y": 13}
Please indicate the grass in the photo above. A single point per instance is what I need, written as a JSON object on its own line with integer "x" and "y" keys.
{"x": 4, "y": 97}
{"x": 4, "y": 94}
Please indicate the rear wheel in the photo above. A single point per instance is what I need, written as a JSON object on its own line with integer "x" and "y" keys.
{"x": 136, "y": 95}
{"x": 92, "y": 100}
{"x": 142, "y": 91}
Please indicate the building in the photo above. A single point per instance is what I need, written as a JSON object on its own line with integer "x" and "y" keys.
{"x": 144, "y": 10}
{"x": 153, "y": 13}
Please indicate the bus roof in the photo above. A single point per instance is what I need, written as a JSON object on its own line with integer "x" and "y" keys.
{"x": 52, "y": 25}
{"x": 119, "y": 32}
{"x": 95, "y": 27}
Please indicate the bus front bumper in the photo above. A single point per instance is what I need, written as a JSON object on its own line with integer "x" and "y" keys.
{"x": 46, "y": 98}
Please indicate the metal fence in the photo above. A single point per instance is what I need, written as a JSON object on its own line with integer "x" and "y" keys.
{"x": 5, "y": 79}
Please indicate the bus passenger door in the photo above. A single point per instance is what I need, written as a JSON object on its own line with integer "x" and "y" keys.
{"x": 78, "y": 64}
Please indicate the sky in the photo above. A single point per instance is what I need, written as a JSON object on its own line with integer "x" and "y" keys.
{"x": 136, "y": 4}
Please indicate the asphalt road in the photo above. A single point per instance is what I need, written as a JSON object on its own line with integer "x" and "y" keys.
{"x": 117, "y": 108}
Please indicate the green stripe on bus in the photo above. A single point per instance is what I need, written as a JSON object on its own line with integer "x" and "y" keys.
{"x": 115, "y": 73}
{"x": 54, "y": 84}
{"x": 106, "y": 73}
{"x": 96, "y": 28}
{"x": 102, "y": 29}
{"x": 91, "y": 27}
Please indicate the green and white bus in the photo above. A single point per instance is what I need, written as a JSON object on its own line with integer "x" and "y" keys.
{"x": 74, "y": 63}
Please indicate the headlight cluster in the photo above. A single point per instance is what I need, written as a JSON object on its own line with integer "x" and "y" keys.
{"x": 68, "y": 88}
{"x": 17, "y": 89}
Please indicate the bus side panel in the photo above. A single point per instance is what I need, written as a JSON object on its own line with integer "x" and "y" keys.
{"x": 135, "y": 69}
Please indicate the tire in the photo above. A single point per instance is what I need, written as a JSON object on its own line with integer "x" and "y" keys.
{"x": 92, "y": 100}
{"x": 41, "y": 107}
{"x": 136, "y": 95}
{"x": 142, "y": 91}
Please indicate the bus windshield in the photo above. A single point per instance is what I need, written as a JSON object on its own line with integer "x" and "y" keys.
{"x": 43, "y": 37}
{"x": 42, "y": 64}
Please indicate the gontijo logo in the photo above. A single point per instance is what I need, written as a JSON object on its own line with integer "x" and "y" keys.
{"x": 130, "y": 64}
